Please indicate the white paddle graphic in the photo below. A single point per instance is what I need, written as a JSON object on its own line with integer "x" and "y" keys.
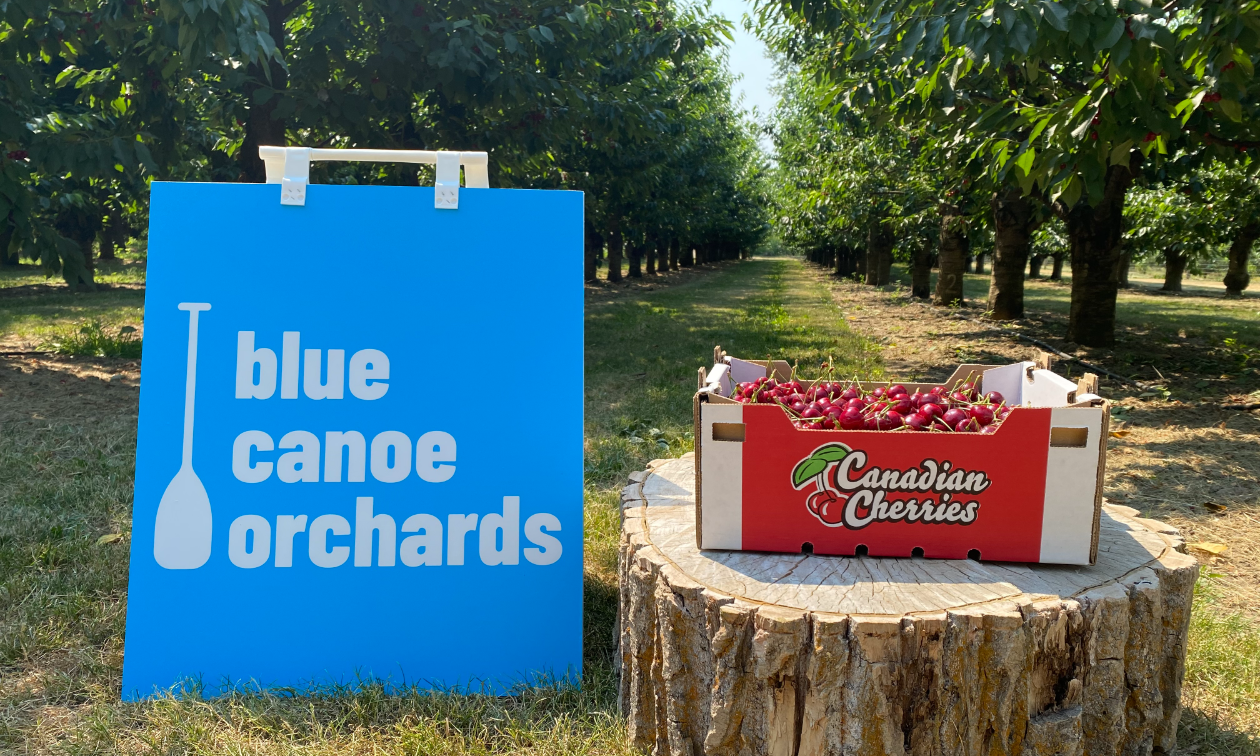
{"x": 181, "y": 532}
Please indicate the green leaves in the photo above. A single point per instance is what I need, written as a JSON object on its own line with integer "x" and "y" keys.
{"x": 816, "y": 463}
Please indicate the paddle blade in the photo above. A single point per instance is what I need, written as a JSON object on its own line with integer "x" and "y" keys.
{"x": 181, "y": 533}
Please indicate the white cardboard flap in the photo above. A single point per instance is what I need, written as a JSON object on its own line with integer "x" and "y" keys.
{"x": 1008, "y": 381}
{"x": 719, "y": 379}
{"x": 1045, "y": 388}
{"x": 743, "y": 371}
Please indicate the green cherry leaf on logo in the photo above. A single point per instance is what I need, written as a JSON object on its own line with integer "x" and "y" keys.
{"x": 807, "y": 469}
{"x": 831, "y": 453}
{"x": 815, "y": 463}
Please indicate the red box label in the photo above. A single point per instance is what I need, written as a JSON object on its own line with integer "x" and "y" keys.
{"x": 893, "y": 492}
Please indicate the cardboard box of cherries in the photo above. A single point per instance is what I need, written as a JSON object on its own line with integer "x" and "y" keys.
{"x": 999, "y": 463}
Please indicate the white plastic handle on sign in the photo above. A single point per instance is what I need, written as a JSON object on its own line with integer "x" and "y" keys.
{"x": 291, "y": 168}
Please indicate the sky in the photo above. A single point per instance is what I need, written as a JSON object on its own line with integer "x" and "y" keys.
{"x": 748, "y": 59}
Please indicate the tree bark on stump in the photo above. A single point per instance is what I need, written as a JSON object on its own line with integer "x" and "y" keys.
{"x": 1237, "y": 278}
{"x": 800, "y": 655}
{"x": 1174, "y": 268}
{"x": 1056, "y": 268}
{"x": 954, "y": 247}
{"x": 1034, "y": 266}
{"x": 1013, "y": 224}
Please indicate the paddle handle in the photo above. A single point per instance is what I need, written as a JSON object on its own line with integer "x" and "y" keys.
{"x": 190, "y": 386}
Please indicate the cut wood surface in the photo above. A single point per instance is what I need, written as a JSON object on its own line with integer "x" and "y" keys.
{"x": 751, "y": 653}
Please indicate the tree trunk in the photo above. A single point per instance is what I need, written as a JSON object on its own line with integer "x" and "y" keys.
{"x": 615, "y": 242}
{"x": 879, "y": 244}
{"x": 674, "y": 264}
{"x": 724, "y": 653}
{"x": 686, "y": 256}
{"x": 651, "y": 257}
{"x": 1034, "y": 266}
{"x": 262, "y": 127}
{"x": 636, "y": 259}
{"x": 848, "y": 261}
{"x": 859, "y": 264}
{"x": 980, "y": 264}
{"x": 1056, "y": 268}
{"x": 594, "y": 245}
{"x": 1237, "y": 278}
{"x": 1174, "y": 268}
{"x": 6, "y": 238}
{"x": 1013, "y": 224}
{"x": 1126, "y": 260}
{"x": 954, "y": 246}
{"x": 921, "y": 273}
{"x": 968, "y": 264}
{"x": 113, "y": 235}
{"x": 1094, "y": 243}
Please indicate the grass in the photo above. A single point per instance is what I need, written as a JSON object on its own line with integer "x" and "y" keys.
{"x": 66, "y": 481}
{"x": 93, "y": 339}
{"x": 1222, "y": 687}
{"x": 35, "y": 308}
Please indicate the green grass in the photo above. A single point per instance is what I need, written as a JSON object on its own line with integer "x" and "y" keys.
{"x": 66, "y": 480}
{"x": 35, "y": 308}
{"x": 1222, "y": 687}
{"x": 93, "y": 339}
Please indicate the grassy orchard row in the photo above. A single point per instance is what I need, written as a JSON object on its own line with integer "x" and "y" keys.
{"x": 836, "y": 405}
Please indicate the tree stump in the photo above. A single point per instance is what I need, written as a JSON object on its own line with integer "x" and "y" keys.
{"x": 750, "y": 653}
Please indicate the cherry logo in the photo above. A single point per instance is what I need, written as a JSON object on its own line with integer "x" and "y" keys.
{"x": 824, "y": 503}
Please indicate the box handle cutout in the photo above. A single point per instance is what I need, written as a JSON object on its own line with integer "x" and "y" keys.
{"x": 728, "y": 431}
{"x": 1075, "y": 438}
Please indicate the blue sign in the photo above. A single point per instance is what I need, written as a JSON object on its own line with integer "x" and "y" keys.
{"x": 351, "y": 463}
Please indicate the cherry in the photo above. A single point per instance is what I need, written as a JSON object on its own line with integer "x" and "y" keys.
{"x": 994, "y": 397}
{"x": 989, "y": 429}
{"x": 834, "y": 410}
{"x": 851, "y": 419}
{"x": 849, "y": 393}
{"x": 797, "y": 406}
{"x": 982, "y": 414}
{"x": 960, "y": 397}
{"x": 903, "y": 405}
{"x": 879, "y": 392}
{"x": 823, "y": 402}
{"x": 931, "y": 410}
{"x": 967, "y": 426}
{"x": 891, "y": 419}
{"x": 828, "y": 422}
{"x": 811, "y": 411}
{"x": 856, "y": 403}
{"x": 919, "y": 421}
{"x": 955, "y": 417}
{"x": 939, "y": 390}
{"x": 877, "y": 407}
{"x": 897, "y": 389}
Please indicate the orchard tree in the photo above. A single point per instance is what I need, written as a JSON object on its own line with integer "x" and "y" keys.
{"x": 97, "y": 99}
{"x": 1066, "y": 100}
{"x": 1169, "y": 224}
{"x": 1235, "y": 194}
